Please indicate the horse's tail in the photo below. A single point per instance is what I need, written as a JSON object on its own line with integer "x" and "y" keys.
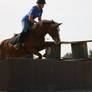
{"x": 1, "y": 50}
{"x": 1, "y": 46}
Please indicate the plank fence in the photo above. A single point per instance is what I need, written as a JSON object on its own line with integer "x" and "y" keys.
{"x": 79, "y": 49}
{"x": 23, "y": 74}
{"x": 50, "y": 75}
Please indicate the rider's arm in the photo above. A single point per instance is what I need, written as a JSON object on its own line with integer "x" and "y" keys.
{"x": 31, "y": 19}
{"x": 39, "y": 18}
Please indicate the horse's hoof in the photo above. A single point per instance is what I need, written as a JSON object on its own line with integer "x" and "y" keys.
{"x": 45, "y": 55}
{"x": 40, "y": 58}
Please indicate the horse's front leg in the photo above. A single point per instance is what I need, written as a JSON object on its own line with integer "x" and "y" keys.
{"x": 47, "y": 52}
{"x": 46, "y": 46}
{"x": 34, "y": 51}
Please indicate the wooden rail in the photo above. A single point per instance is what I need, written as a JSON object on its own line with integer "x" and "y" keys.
{"x": 79, "y": 49}
{"x": 70, "y": 42}
{"x": 45, "y": 74}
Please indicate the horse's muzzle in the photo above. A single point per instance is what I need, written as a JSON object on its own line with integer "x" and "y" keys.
{"x": 57, "y": 41}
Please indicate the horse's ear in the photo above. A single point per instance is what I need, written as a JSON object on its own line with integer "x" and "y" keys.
{"x": 59, "y": 24}
{"x": 56, "y": 25}
{"x": 52, "y": 20}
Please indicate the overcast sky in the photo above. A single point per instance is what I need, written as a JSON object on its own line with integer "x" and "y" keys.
{"x": 76, "y": 16}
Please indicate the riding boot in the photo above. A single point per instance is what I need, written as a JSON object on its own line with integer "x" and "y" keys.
{"x": 20, "y": 42}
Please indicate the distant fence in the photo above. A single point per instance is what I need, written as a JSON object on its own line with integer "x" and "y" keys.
{"x": 79, "y": 49}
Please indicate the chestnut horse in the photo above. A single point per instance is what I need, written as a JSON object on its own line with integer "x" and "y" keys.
{"x": 34, "y": 42}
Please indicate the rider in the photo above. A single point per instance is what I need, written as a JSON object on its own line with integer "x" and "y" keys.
{"x": 28, "y": 21}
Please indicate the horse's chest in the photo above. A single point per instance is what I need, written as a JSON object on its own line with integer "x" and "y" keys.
{"x": 36, "y": 41}
{"x": 39, "y": 41}
{"x": 38, "y": 44}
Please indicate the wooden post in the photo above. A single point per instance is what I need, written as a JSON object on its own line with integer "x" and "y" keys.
{"x": 79, "y": 50}
{"x": 55, "y": 51}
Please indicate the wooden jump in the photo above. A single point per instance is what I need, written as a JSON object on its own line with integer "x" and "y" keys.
{"x": 79, "y": 49}
{"x": 45, "y": 74}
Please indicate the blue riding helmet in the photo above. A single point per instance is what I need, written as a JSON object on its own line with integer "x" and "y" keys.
{"x": 41, "y": 2}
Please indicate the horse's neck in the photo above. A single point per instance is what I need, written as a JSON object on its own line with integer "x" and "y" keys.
{"x": 40, "y": 32}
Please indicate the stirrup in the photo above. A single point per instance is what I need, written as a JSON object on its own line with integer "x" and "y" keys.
{"x": 17, "y": 45}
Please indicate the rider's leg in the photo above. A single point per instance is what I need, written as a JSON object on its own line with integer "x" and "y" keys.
{"x": 22, "y": 34}
{"x": 26, "y": 26}
{"x": 25, "y": 30}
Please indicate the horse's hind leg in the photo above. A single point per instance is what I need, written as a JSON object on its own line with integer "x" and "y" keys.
{"x": 2, "y": 56}
{"x": 47, "y": 52}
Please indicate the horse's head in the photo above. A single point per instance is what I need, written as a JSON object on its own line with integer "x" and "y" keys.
{"x": 50, "y": 27}
{"x": 53, "y": 30}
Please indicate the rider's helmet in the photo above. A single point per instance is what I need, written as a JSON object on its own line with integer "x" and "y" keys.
{"x": 41, "y": 2}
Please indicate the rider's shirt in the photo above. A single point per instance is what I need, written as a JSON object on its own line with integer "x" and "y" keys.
{"x": 35, "y": 12}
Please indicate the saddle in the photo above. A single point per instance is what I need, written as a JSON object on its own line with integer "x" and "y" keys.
{"x": 19, "y": 38}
